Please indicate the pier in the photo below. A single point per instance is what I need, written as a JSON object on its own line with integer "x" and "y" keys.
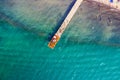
{"x": 114, "y": 4}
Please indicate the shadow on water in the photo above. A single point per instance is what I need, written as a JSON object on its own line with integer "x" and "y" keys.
{"x": 61, "y": 20}
{"x": 18, "y": 24}
{"x": 114, "y": 17}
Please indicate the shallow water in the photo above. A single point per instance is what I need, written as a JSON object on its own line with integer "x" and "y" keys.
{"x": 83, "y": 53}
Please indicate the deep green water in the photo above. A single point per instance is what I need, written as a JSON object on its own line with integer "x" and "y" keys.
{"x": 83, "y": 53}
{"x": 25, "y": 56}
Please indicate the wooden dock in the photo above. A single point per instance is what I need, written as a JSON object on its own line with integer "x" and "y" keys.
{"x": 63, "y": 26}
{"x": 56, "y": 37}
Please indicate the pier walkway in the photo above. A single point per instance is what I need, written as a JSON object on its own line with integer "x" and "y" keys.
{"x": 112, "y": 3}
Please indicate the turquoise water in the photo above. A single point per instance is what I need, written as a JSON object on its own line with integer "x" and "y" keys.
{"x": 81, "y": 54}
{"x": 25, "y": 56}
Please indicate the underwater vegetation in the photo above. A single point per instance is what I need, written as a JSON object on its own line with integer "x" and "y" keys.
{"x": 91, "y": 23}
{"x": 89, "y": 49}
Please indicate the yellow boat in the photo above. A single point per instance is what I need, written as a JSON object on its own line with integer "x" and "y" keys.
{"x": 54, "y": 41}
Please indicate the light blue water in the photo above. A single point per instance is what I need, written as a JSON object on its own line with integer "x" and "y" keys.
{"x": 24, "y": 55}
{"x": 81, "y": 54}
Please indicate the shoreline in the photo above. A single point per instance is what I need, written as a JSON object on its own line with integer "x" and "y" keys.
{"x": 114, "y": 5}
{"x": 25, "y": 27}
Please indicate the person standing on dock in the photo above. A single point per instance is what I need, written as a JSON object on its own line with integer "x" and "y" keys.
{"x": 111, "y": 1}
